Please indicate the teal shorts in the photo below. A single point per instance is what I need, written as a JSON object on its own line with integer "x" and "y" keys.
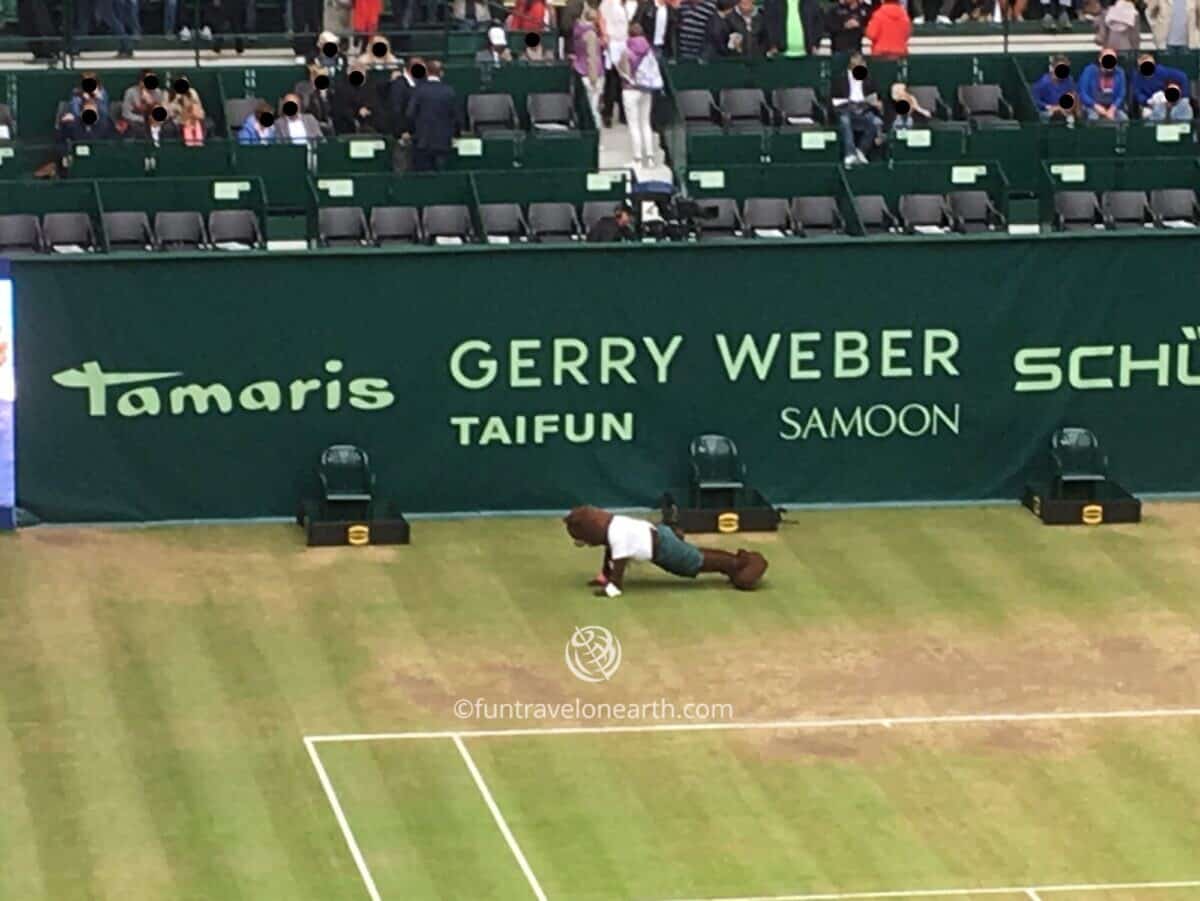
{"x": 675, "y": 555}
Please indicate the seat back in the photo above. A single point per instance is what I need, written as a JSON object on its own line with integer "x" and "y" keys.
{"x": 234, "y": 227}
{"x": 1076, "y": 209}
{"x": 817, "y": 214}
{"x": 742, "y": 105}
{"x": 1127, "y": 208}
{"x": 491, "y": 112}
{"x": 1077, "y": 455}
{"x": 345, "y": 473}
{"x": 237, "y": 109}
{"x": 446, "y": 221}
{"x": 128, "y": 230}
{"x": 60, "y": 229}
{"x": 726, "y": 219}
{"x": 695, "y": 105}
{"x": 970, "y": 206}
{"x": 553, "y": 220}
{"x": 502, "y": 219}
{"x": 922, "y": 209}
{"x": 766, "y": 212}
{"x": 929, "y": 96}
{"x": 395, "y": 225}
{"x": 715, "y": 459}
{"x": 20, "y": 232}
{"x": 795, "y": 103}
{"x": 980, "y": 99}
{"x": 180, "y": 230}
{"x": 342, "y": 225}
{"x": 551, "y": 107}
{"x": 1174, "y": 203}
{"x": 594, "y": 211}
{"x": 873, "y": 213}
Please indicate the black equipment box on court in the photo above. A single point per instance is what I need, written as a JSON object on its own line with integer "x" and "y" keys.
{"x": 1107, "y": 502}
{"x": 750, "y": 512}
{"x": 380, "y": 523}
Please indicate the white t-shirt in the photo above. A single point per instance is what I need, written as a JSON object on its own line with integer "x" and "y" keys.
{"x": 856, "y": 90}
{"x": 296, "y": 131}
{"x": 630, "y": 538}
{"x": 660, "y": 25}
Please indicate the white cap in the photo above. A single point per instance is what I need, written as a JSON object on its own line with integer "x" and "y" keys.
{"x": 496, "y": 36}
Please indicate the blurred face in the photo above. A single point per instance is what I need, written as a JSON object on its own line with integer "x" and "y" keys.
{"x": 623, "y": 218}
{"x": 746, "y": 7}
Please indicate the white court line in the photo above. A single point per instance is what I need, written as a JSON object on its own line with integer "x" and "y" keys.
{"x": 355, "y": 851}
{"x": 499, "y": 818}
{"x": 1030, "y": 892}
{"x": 1033, "y": 896}
{"x": 859, "y": 722}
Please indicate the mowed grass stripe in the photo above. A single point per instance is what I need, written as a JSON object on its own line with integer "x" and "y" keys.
{"x": 45, "y": 746}
{"x": 21, "y": 872}
{"x": 174, "y": 788}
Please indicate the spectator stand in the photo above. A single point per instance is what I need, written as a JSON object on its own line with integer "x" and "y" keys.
{"x": 1167, "y": 185}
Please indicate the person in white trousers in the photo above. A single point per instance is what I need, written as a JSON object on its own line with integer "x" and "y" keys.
{"x": 637, "y": 93}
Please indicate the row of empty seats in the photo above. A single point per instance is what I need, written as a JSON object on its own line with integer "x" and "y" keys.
{"x": 800, "y": 108}
{"x": 1165, "y": 208}
{"x": 960, "y": 211}
{"x": 169, "y": 230}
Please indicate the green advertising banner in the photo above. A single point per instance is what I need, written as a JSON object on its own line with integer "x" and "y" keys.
{"x": 488, "y": 379}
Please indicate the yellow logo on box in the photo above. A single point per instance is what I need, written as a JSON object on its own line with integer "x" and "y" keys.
{"x": 358, "y": 535}
{"x": 728, "y": 522}
{"x": 1092, "y": 515}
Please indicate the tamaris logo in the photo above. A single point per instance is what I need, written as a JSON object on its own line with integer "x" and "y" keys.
{"x": 134, "y": 394}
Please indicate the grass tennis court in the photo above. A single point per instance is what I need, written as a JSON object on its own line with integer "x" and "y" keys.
{"x": 157, "y": 686}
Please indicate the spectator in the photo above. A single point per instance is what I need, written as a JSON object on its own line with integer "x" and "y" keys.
{"x": 1063, "y": 23}
{"x": 1120, "y": 26}
{"x": 90, "y": 90}
{"x": 1102, "y": 89}
{"x": 856, "y": 103}
{"x": 568, "y": 16}
{"x": 434, "y": 116}
{"x": 258, "y": 127}
{"x": 1175, "y": 23}
{"x": 319, "y": 104}
{"x": 615, "y": 18}
{"x": 749, "y": 29}
{"x": 470, "y": 14}
{"x": 641, "y": 79}
{"x": 889, "y": 30}
{"x": 88, "y": 125}
{"x": 182, "y": 96}
{"x": 1049, "y": 90}
{"x": 1152, "y": 92}
{"x": 905, "y": 111}
{"x": 1013, "y": 10}
{"x": 536, "y": 50}
{"x": 400, "y": 92}
{"x": 845, "y": 22}
{"x": 307, "y": 21}
{"x": 529, "y": 15}
{"x": 140, "y": 98}
{"x": 365, "y": 18}
{"x": 156, "y": 126}
{"x": 377, "y": 53}
{"x": 222, "y": 18}
{"x": 495, "y": 51}
{"x": 356, "y": 106}
{"x": 191, "y": 124}
{"x": 694, "y": 16}
{"x": 720, "y": 41}
{"x": 793, "y": 26}
{"x": 613, "y": 229}
{"x": 589, "y": 59}
{"x": 294, "y": 126}
{"x": 660, "y": 24}
{"x": 121, "y": 16}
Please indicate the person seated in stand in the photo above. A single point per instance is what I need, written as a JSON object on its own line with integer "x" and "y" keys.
{"x": 88, "y": 126}
{"x": 856, "y": 103}
{"x": 156, "y": 127}
{"x": 191, "y": 124}
{"x": 495, "y": 51}
{"x": 90, "y": 90}
{"x": 1049, "y": 90}
{"x": 320, "y": 99}
{"x": 1153, "y": 93}
{"x": 748, "y": 29}
{"x": 177, "y": 100}
{"x": 258, "y": 127}
{"x": 294, "y": 126}
{"x": 142, "y": 97}
{"x": 1102, "y": 89}
{"x": 905, "y": 111}
{"x": 613, "y": 229}
{"x": 356, "y": 105}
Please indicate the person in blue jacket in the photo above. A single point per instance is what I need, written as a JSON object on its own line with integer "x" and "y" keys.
{"x": 258, "y": 127}
{"x": 1052, "y": 87}
{"x": 1102, "y": 89}
{"x": 1153, "y": 95}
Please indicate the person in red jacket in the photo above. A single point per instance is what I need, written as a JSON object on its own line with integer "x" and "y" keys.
{"x": 889, "y": 30}
{"x": 366, "y": 17}
{"x": 527, "y": 16}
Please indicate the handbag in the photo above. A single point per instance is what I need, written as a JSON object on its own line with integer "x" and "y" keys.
{"x": 648, "y": 76}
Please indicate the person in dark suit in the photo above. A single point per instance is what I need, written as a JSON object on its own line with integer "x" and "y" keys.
{"x": 433, "y": 114}
{"x": 356, "y": 107}
{"x": 613, "y": 229}
{"x": 717, "y": 42}
{"x": 857, "y": 106}
{"x": 660, "y": 23}
{"x": 751, "y": 29}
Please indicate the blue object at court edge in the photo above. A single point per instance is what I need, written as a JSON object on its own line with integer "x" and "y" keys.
{"x": 8, "y": 399}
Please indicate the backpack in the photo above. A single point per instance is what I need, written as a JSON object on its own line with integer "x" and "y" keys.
{"x": 648, "y": 76}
